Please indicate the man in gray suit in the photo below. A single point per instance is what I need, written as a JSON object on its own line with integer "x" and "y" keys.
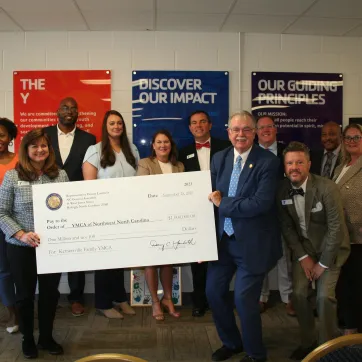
{"x": 313, "y": 226}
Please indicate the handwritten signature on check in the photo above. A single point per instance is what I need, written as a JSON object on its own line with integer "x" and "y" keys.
{"x": 172, "y": 244}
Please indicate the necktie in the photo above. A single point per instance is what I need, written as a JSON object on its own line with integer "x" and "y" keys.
{"x": 328, "y": 165}
{"x": 294, "y": 192}
{"x": 228, "y": 226}
{"x": 200, "y": 145}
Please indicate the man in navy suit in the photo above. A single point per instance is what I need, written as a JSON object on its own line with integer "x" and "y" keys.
{"x": 245, "y": 179}
{"x": 197, "y": 157}
{"x": 70, "y": 145}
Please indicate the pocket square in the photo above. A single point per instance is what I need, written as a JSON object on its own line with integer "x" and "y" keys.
{"x": 318, "y": 207}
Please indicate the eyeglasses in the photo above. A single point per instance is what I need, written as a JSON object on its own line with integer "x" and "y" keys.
{"x": 268, "y": 126}
{"x": 246, "y": 130}
{"x": 68, "y": 109}
{"x": 354, "y": 139}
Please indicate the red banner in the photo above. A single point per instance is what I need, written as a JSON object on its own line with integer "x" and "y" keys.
{"x": 37, "y": 95}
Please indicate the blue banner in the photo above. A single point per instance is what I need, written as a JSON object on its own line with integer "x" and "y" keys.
{"x": 165, "y": 99}
{"x": 300, "y": 103}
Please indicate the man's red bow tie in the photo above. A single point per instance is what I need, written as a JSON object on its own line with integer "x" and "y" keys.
{"x": 200, "y": 145}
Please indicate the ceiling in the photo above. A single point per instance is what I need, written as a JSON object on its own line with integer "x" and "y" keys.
{"x": 317, "y": 17}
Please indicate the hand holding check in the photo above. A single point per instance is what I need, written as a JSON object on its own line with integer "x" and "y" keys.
{"x": 215, "y": 197}
{"x": 29, "y": 238}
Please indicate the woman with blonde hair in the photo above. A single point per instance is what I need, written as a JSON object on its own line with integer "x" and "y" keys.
{"x": 348, "y": 177}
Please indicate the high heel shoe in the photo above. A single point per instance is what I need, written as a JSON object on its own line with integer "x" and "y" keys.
{"x": 159, "y": 316}
{"x": 168, "y": 309}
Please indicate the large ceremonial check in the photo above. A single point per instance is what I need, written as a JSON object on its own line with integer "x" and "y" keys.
{"x": 124, "y": 222}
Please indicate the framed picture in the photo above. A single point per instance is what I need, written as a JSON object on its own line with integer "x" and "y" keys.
{"x": 140, "y": 295}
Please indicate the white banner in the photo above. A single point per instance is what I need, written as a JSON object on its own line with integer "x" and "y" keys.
{"x": 124, "y": 222}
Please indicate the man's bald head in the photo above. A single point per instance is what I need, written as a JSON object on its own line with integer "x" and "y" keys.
{"x": 331, "y": 136}
{"x": 67, "y": 114}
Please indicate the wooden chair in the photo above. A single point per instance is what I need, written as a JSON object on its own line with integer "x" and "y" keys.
{"x": 345, "y": 348}
{"x": 110, "y": 357}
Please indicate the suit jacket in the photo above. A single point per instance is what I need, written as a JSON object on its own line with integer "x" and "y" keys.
{"x": 73, "y": 164}
{"x": 148, "y": 166}
{"x": 350, "y": 186}
{"x": 280, "y": 150}
{"x": 316, "y": 158}
{"x": 328, "y": 240}
{"x": 253, "y": 209}
{"x": 188, "y": 155}
{"x": 16, "y": 203}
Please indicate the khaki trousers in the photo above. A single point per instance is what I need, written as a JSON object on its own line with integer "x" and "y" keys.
{"x": 326, "y": 305}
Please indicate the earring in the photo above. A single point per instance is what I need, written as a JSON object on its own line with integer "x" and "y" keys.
{"x": 10, "y": 143}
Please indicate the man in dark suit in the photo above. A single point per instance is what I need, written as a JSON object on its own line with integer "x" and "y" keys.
{"x": 197, "y": 157}
{"x": 70, "y": 145}
{"x": 325, "y": 161}
{"x": 245, "y": 179}
{"x": 313, "y": 226}
{"x": 267, "y": 138}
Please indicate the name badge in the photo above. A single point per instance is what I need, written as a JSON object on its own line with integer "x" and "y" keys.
{"x": 23, "y": 183}
{"x": 287, "y": 202}
{"x": 190, "y": 156}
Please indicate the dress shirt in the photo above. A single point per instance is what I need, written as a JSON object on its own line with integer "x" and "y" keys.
{"x": 65, "y": 141}
{"x": 165, "y": 167}
{"x": 272, "y": 148}
{"x": 244, "y": 157}
{"x": 203, "y": 154}
{"x": 299, "y": 202}
{"x": 334, "y": 159}
{"x": 344, "y": 170}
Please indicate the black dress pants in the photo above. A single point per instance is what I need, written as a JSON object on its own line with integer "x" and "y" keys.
{"x": 199, "y": 272}
{"x": 108, "y": 288}
{"x": 76, "y": 282}
{"x": 349, "y": 290}
{"x": 22, "y": 261}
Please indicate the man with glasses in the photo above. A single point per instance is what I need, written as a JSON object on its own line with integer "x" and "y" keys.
{"x": 267, "y": 138}
{"x": 244, "y": 180}
{"x": 197, "y": 157}
{"x": 70, "y": 145}
{"x": 325, "y": 161}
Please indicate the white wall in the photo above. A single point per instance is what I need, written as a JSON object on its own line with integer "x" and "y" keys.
{"x": 123, "y": 52}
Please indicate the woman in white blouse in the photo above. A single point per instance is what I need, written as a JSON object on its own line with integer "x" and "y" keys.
{"x": 113, "y": 157}
{"x": 162, "y": 160}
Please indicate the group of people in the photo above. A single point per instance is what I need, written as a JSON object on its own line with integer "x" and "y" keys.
{"x": 269, "y": 210}
{"x": 64, "y": 153}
